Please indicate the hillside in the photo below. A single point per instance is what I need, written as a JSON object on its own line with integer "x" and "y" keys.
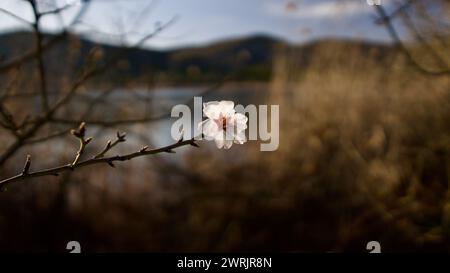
{"x": 245, "y": 59}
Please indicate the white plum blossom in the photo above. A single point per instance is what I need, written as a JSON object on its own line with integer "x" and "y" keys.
{"x": 223, "y": 125}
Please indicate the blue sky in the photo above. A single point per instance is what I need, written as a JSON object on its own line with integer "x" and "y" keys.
{"x": 205, "y": 21}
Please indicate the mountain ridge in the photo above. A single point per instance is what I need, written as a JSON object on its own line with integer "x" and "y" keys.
{"x": 247, "y": 58}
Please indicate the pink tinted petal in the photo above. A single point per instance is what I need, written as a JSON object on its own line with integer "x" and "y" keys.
{"x": 231, "y": 124}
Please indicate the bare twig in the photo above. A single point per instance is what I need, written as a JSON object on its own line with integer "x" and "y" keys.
{"x": 147, "y": 119}
{"x": 40, "y": 55}
{"x": 110, "y": 123}
{"x": 26, "y": 168}
{"x": 424, "y": 42}
{"x": 23, "y": 20}
{"x": 44, "y": 119}
{"x": 397, "y": 11}
{"x": 28, "y": 56}
{"x": 8, "y": 120}
{"x": 47, "y": 137}
{"x": 386, "y": 20}
{"x": 110, "y": 145}
{"x": 56, "y": 10}
{"x": 80, "y": 133}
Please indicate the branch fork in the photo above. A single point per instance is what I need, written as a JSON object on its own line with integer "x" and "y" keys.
{"x": 100, "y": 158}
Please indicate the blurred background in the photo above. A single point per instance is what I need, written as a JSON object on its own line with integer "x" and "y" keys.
{"x": 364, "y": 96}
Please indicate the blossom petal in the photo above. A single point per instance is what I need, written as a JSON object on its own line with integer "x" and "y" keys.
{"x": 229, "y": 134}
{"x": 228, "y": 144}
{"x": 226, "y": 107}
{"x": 212, "y": 109}
{"x": 241, "y": 122}
{"x": 241, "y": 118}
{"x": 240, "y": 138}
{"x": 224, "y": 135}
{"x": 209, "y": 128}
{"x": 219, "y": 142}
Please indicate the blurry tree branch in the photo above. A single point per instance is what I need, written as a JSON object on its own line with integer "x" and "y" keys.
{"x": 110, "y": 144}
{"x": 56, "y": 10}
{"x": 99, "y": 158}
{"x": 8, "y": 122}
{"x": 47, "y": 137}
{"x": 40, "y": 55}
{"x": 129, "y": 121}
{"x": 396, "y": 12}
{"x": 45, "y": 45}
{"x": 423, "y": 41}
{"x": 15, "y": 16}
{"x": 24, "y": 130}
{"x": 86, "y": 74}
{"x": 115, "y": 122}
{"x": 30, "y": 55}
{"x": 386, "y": 19}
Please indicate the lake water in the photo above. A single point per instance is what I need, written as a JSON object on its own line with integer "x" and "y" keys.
{"x": 135, "y": 104}
{"x": 141, "y": 102}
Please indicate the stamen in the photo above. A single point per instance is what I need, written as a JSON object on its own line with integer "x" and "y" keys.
{"x": 224, "y": 124}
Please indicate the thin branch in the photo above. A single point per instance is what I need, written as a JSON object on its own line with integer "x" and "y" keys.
{"x": 47, "y": 137}
{"x": 9, "y": 122}
{"x": 39, "y": 122}
{"x": 26, "y": 168}
{"x": 397, "y": 11}
{"x": 111, "y": 123}
{"x": 110, "y": 145}
{"x": 95, "y": 160}
{"x": 17, "y": 61}
{"x": 442, "y": 29}
{"x": 80, "y": 134}
{"x": 30, "y": 55}
{"x": 40, "y": 56}
{"x": 386, "y": 20}
{"x": 9, "y": 86}
{"x": 15, "y": 16}
{"x": 128, "y": 121}
{"x": 60, "y": 133}
{"x": 56, "y": 10}
{"x": 108, "y": 123}
{"x": 423, "y": 41}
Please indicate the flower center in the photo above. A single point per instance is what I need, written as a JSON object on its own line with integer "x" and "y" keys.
{"x": 222, "y": 122}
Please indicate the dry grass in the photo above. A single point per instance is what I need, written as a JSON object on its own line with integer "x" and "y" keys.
{"x": 364, "y": 155}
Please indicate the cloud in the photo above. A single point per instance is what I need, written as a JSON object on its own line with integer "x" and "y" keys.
{"x": 317, "y": 10}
